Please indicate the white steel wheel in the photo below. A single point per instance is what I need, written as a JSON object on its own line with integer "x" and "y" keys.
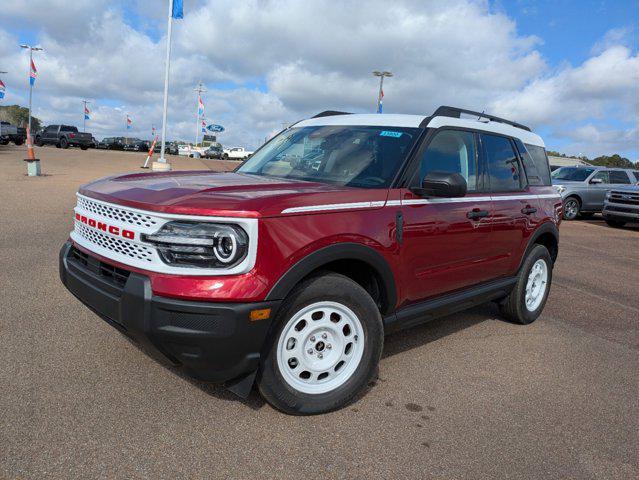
{"x": 320, "y": 347}
{"x": 536, "y": 285}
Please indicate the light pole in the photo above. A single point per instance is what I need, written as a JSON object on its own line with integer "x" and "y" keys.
{"x": 31, "y": 50}
{"x": 380, "y": 94}
{"x": 84, "y": 115}
{"x": 199, "y": 89}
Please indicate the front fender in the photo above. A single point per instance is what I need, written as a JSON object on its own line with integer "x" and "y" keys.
{"x": 331, "y": 253}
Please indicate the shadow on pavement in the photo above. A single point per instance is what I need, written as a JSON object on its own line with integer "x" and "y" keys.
{"x": 433, "y": 330}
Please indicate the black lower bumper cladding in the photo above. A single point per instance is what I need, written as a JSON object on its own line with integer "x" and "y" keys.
{"x": 211, "y": 341}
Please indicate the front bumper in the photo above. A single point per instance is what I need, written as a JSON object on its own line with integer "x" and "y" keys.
{"x": 213, "y": 342}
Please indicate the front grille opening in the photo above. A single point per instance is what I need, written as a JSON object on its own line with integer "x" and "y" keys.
{"x": 80, "y": 257}
{"x": 117, "y": 275}
{"x": 111, "y": 273}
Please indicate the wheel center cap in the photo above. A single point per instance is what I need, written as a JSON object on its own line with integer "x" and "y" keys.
{"x": 319, "y": 346}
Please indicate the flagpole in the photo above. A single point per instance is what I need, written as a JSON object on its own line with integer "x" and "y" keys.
{"x": 166, "y": 87}
{"x": 84, "y": 115}
{"x": 199, "y": 91}
{"x": 30, "y": 89}
{"x": 381, "y": 76}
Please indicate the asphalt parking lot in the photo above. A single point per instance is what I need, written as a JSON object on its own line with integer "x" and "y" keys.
{"x": 467, "y": 396}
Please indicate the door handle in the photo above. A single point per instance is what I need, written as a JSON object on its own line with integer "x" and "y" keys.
{"x": 476, "y": 213}
{"x": 528, "y": 210}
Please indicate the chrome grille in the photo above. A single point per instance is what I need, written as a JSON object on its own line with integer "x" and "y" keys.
{"x": 625, "y": 198}
{"x": 116, "y": 213}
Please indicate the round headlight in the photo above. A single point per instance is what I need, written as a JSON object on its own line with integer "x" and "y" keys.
{"x": 225, "y": 248}
{"x": 200, "y": 244}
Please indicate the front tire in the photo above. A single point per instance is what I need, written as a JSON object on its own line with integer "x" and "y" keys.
{"x": 324, "y": 348}
{"x": 527, "y": 299}
{"x": 571, "y": 208}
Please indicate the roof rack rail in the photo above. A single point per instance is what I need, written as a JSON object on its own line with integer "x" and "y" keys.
{"x": 445, "y": 111}
{"x": 330, "y": 113}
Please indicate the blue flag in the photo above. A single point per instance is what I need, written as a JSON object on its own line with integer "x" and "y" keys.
{"x": 177, "y": 9}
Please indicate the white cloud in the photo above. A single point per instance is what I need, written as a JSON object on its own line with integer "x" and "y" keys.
{"x": 266, "y": 62}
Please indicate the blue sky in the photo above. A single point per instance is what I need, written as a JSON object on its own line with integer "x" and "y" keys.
{"x": 570, "y": 29}
{"x": 268, "y": 62}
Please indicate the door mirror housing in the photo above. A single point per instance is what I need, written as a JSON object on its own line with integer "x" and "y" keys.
{"x": 442, "y": 184}
{"x": 596, "y": 180}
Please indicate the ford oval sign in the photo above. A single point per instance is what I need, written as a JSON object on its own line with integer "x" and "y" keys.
{"x": 215, "y": 128}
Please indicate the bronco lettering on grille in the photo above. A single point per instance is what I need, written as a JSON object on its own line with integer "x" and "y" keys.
{"x": 112, "y": 229}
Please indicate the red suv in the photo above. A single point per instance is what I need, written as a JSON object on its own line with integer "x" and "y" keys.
{"x": 289, "y": 271}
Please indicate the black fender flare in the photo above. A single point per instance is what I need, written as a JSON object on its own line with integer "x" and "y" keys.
{"x": 546, "y": 227}
{"x": 331, "y": 253}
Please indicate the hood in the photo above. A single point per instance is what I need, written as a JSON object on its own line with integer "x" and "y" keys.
{"x": 221, "y": 194}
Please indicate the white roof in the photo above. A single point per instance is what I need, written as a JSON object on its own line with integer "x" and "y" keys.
{"x": 365, "y": 119}
{"x": 413, "y": 121}
{"x": 566, "y": 161}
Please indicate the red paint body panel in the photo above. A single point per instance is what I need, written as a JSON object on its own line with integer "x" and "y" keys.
{"x": 220, "y": 194}
{"x": 442, "y": 249}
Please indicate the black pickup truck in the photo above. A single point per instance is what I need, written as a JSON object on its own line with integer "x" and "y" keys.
{"x": 63, "y": 136}
{"x": 11, "y": 133}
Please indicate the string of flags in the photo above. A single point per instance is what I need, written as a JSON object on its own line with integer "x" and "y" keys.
{"x": 2, "y": 88}
{"x": 200, "y": 106}
{"x": 86, "y": 113}
{"x": 33, "y": 72}
{"x": 129, "y": 122}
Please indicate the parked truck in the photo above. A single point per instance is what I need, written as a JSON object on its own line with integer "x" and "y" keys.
{"x": 237, "y": 153}
{"x": 11, "y": 133}
{"x": 63, "y": 136}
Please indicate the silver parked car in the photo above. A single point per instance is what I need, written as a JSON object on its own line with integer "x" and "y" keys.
{"x": 583, "y": 188}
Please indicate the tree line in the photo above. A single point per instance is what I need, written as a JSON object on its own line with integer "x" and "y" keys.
{"x": 19, "y": 116}
{"x": 615, "y": 160}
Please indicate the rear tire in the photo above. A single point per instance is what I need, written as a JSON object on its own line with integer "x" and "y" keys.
{"x": 84, "y": 147}
{"x": 527, "y": 299}
{"x": 614, "y": 223}
{"x": 324, "y": 348}
{"x": 571, "y": 208}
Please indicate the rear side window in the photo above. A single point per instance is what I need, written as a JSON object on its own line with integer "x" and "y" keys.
{"x": 67, "y": 128}
{"x": 504, "y": 170}
{"x": 536, "y": 165}
{"x": 451, "y": 151}
{"x": 619, "y": 176}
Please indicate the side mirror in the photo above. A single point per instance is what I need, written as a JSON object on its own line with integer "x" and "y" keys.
{"x": 596, "y": 180}
{"x": 442, "y": 184}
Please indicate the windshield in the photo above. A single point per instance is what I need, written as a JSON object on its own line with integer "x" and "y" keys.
{"x": 367, "y": 157}
{"x": 573, "y": 174}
